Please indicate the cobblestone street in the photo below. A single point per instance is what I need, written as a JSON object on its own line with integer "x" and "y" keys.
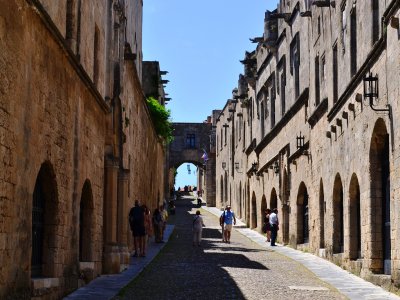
{"x": 240, "y": 270}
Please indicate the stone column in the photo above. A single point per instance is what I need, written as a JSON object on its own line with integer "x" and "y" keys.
{"x": 111, "y": 257}
{"x": 122, "y": 219}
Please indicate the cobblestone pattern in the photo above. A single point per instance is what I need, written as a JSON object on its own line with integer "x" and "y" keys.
{"x": 240, "y": 270}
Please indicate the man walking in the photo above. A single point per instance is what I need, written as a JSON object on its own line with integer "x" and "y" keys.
{"x": 228, "y": 218}
{"x": 136, "y": 222}
{"x": 274, "y": 222}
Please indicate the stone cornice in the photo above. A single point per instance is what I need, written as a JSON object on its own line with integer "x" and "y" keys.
{"x": 301, "y": 100}
{"x": 59, "y": 38}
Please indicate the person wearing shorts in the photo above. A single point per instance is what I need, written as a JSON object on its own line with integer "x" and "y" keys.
{"x": 229, "y": 219}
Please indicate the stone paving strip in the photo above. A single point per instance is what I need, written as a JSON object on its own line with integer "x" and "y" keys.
{"x": 106, "y": 287}
{"x": 345, "y": 282}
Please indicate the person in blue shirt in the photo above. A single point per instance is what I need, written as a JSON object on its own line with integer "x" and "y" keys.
{"x": 228, "y": 217}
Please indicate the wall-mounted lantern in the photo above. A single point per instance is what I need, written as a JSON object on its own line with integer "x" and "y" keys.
{"x": 237, "y": 167}
{"x": 300, "y": 141}
{"x": 371, "y": 92}
{"x": 370, "y": 87}
{"x": 276, "y": 167}
{"x": 254, "y": 167}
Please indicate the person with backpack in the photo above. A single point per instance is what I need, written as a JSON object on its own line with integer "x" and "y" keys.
{"x": 197, "y": 228}
{"x": 227, "y": 218}
{"x": 136, "y": 222}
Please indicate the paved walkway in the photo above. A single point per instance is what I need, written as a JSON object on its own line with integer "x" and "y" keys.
{"x": 348, "y": 284}
{"x": 227, "y": 271}
{"x": 107, "y": 286}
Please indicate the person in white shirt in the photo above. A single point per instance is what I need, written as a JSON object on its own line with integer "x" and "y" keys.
{"x": 198, "y": 225}
{"x": 274, "y": 222}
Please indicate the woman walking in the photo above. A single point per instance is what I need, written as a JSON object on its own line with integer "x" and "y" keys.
{"x": 198, "y": 225}
{"x": 267, "y": 225}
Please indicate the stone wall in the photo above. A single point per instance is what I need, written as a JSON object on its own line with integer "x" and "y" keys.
{"x": 329, "y": 191}
{"x": 72, "y": 137}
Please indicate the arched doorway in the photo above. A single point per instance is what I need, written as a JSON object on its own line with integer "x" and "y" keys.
{"x": 321, "y": 215}
{"x": 285, "y": 208}
{"x": 380, "y": 198}
{"x": 221, "y": 191}
{"x": 240, "y": 200}
{"x": 230, "y": 195}
{"x": 225, "y": 200}
{"x": 302, "y": 215}
{"x": 263, "y": 208}
{"x": 263, "y": 205}
{"x": 86, "y": 224}
{"x": 253, "y": 211}
{"x": 248, "y": 204}
{"x": 44, "y": 223}
{"x": 355, "y": 219}
{"x": 273, "y": 201}
{"x": 338, "y": 225}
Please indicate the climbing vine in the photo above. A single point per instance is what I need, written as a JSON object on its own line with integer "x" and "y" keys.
{"x": 161, "y": 118}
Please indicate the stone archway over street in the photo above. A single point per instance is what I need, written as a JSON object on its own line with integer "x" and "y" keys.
{"x": 191, "y": 142}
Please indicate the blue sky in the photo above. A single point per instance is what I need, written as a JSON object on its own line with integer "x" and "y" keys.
{"x": 200, "y": 44}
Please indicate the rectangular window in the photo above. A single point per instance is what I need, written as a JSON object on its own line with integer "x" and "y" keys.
{"x": 343, "y": 21}
{"x": 375, "y": 21}
{"x": 221, "y": 137}
{"x": 96, "y": 50}
{"x": 317, "y": 84}
{"x": 283, "y": 94}
{"x": 295, "y": 63}
{"x": 262, "y": 119}
{"x": 272, "y": 106}
{"x": 353, "y": 43}
{"x": 335, "y": 74}
{"x": 282, "y": 84}
{"x": 191, "y": 140}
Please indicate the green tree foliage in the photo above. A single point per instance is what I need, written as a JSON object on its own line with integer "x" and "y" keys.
{"x": 161, "y": 119}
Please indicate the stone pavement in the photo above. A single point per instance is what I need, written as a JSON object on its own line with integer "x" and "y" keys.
{"x": 345, "y": 282}
{"x": 216, "y": 270}
{"x": 248, "y": 268}
{"x": 107, "y": 286}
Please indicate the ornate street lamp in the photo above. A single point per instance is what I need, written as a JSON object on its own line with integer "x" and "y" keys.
{"x": 188, "y": 168}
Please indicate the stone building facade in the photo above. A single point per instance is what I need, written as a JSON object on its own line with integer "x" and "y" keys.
{"x": 306, "y": 132}
{"x": 191, "y": 141}
{"x": 76, "y": 136}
